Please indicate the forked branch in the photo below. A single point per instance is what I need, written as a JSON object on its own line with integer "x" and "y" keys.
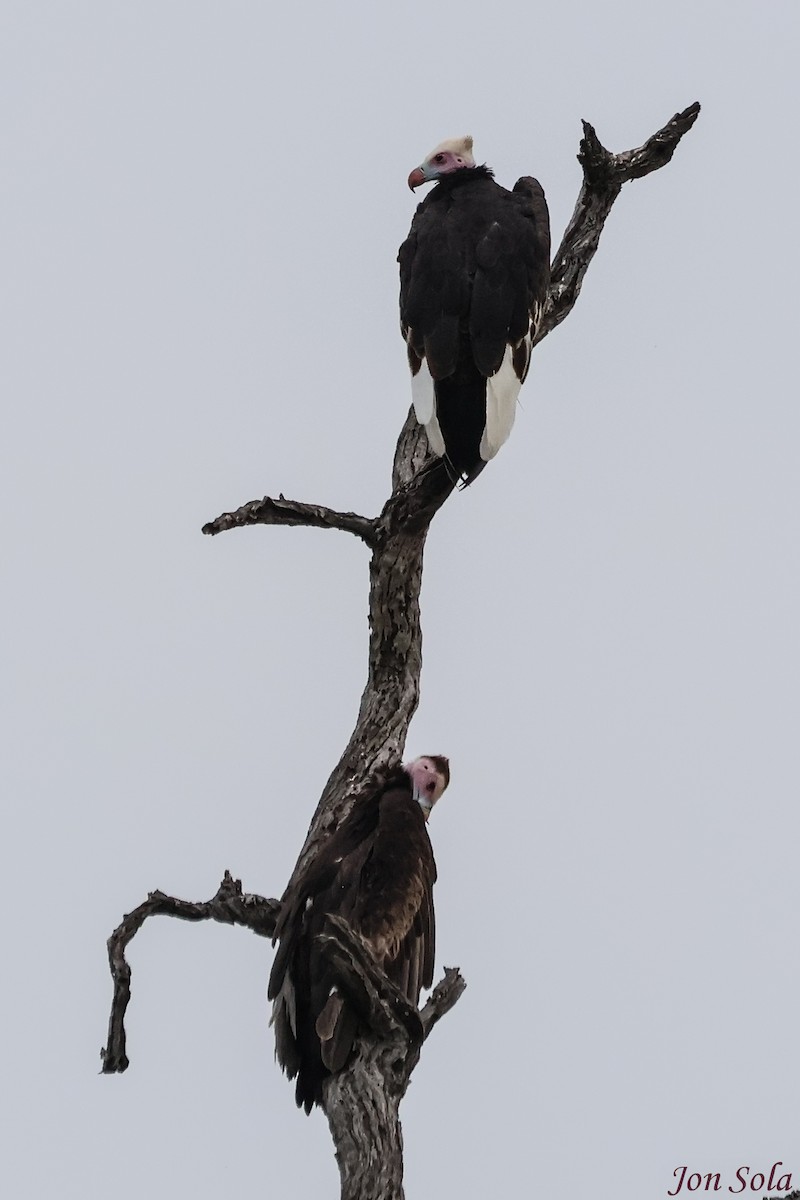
{"x": 603, "y": 176}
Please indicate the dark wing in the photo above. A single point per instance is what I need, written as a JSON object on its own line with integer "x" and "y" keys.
{"x": 413, "y": 968}
{"x": 390, "y": 905}
{"x": 377, "y": 872}
{"x": 434, "y": 284}
{"x": 357, "y": 828}
{"x": 300, "y": 981}
{"x": 511, "y": 278}
{"x": 531, "y": 197}
{"x": 395, "y": 903}
{"x": 477, "y": 258}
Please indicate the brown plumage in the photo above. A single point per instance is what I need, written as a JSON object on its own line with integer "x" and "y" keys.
{"x": 377, "y": 872}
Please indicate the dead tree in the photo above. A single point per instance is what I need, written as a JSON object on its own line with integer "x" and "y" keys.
{"x": 362, "y": 1101}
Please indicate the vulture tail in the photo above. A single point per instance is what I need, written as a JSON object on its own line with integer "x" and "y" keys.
{"x": 461, "y": 413}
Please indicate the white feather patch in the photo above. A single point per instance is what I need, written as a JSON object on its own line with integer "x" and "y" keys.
{"x": 435, "y": 439}
{"x": 423, "y": 396}
{"x": 502, "y": 390}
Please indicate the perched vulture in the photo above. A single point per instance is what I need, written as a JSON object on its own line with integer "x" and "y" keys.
{"x": 377, "y": 872}
{"x": 474, "y": 273}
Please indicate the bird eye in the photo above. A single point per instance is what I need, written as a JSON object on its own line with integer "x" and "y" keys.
{"x": 429, "y": 787}
{"x": 439, "y": 158}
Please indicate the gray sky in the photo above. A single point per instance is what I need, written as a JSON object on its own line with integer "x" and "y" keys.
{"x": 202, "y": 205}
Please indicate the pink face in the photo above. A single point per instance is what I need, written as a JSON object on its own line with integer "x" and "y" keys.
{"x": 446, "y": 160}
{"x": 441, "y": 162}
{"x": 428, "y": 781}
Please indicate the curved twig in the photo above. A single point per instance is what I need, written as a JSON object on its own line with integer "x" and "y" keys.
{"x": 230, "y": 906}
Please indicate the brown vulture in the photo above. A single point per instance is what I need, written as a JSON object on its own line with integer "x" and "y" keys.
{"x": 474, "y": 273}
{"x": 377, "y": 872}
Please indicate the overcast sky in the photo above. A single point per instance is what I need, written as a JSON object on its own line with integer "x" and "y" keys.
{"x": 201, "y": 209}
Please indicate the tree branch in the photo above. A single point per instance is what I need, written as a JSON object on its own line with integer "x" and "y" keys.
{"x": 380, "y": 1004}
{"x": 292, "y": 512}
{"x": 444, "y": 996}
{"x": 657, "y": 150}
{"x": 230, "y": 906}
{"x": 603, "y": 176}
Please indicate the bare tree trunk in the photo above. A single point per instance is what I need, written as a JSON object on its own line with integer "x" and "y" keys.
{"x": 362, "y": 1101}
{"x": 364, "y": 1119}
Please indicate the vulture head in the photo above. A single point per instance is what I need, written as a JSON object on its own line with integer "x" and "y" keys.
{"x": 430, "y": 775}
{"x": 451, "y": 155}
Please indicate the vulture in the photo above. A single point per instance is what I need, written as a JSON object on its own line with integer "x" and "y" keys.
{"x": 474, "y": 273}
{"x": 377, "y": 872}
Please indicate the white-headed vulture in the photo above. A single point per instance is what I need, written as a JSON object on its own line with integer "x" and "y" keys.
{"x": 377, "y": 872}
{"x": 474, "y": 273}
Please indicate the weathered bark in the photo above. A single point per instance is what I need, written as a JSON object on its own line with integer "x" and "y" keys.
{"x": 603, "y": 176}
{"x": 362, "y": 1102}
{"x": 363, "y": 1105}
{"x": 230, "y": 906}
